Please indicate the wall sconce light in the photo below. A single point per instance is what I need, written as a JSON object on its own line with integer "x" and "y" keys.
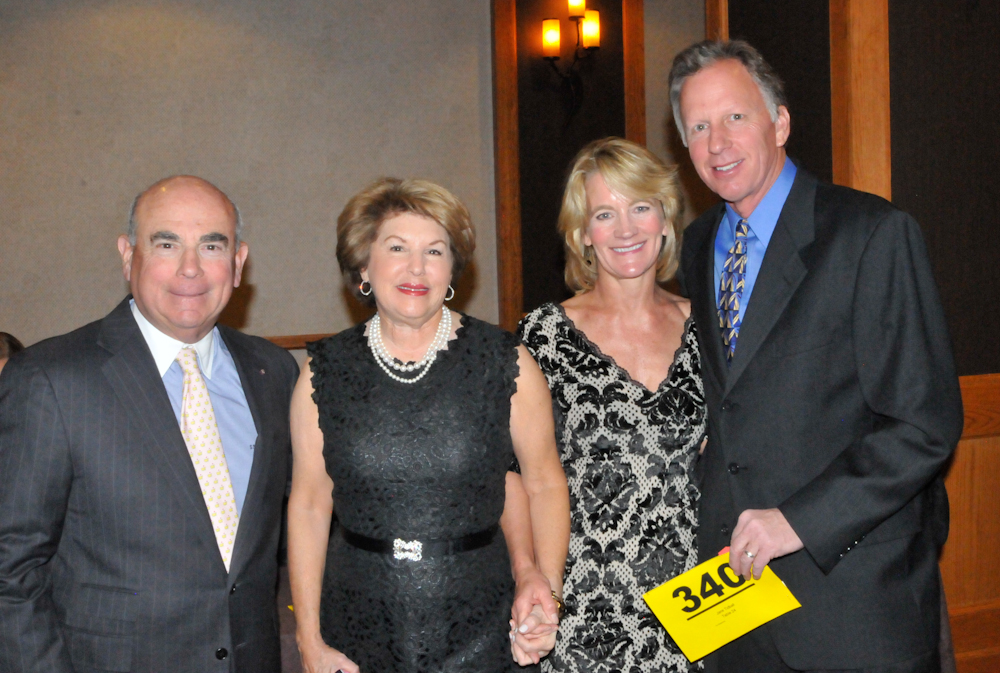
{"x": 590, "y": 30}
{"x": 550, "y": 38}
{"x": 588, "y": 39}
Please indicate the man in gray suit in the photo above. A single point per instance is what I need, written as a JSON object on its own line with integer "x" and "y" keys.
{"x": 129, "y": 541}
{"x": 833, "y": 404}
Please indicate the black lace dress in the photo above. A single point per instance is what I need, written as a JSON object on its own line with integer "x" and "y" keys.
{"x": 629, "y": 454}
{"x": 420, "y": 461}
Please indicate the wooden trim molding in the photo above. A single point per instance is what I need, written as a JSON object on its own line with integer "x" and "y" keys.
{"x": 507, "y": 175}
{"x": 296, "y": 341}
{"x": 634, "y": 46}
{"x": 981, "y": 399}
{"x": 859, "y": 95}
{"x": 717, "y": 19}
{"x": 976, "y": 636}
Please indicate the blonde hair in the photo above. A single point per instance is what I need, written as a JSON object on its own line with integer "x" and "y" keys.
{"x": 359, "y": 223}
{"x": 628, "y": 169}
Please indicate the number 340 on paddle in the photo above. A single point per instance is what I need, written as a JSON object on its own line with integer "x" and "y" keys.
{"x": 710, "y": 587}
{"x": 709, "y": 605}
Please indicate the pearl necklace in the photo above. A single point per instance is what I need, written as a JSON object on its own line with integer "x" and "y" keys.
{"x": 388, "y": 363}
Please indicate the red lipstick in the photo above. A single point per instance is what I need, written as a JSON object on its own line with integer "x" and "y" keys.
{"x": 413, "y": 289}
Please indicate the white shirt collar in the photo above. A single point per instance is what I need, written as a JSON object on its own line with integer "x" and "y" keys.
{"x": 165, "y": 348}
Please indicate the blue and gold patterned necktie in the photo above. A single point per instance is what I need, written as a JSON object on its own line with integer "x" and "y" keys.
{"x": 731, "y": 289}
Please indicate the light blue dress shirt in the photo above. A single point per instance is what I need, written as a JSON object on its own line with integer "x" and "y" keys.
{"x": 229, "y": 402}
{"x": 762, "y": 222}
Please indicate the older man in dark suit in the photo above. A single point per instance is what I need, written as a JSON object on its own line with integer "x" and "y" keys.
{"x": 144, "y": 461}
{"x": 832, "y": 396}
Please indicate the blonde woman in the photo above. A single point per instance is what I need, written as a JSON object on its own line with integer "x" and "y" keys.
{"x": 621, "y": 360}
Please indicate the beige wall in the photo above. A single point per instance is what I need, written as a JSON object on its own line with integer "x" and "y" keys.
{"x": 672, "y": 25}
{"x": 289, "y": 106}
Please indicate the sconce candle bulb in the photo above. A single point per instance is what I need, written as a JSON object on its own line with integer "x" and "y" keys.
{"x": 588, "y": 40}
{"x": 591, "y": 29}
{"x": 550, "y": 38}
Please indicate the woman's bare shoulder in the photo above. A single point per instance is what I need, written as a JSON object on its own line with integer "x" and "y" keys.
{"x": 577, "y": 301}
{"x": 578, "y": 307}
{"x": 672, "y": 303}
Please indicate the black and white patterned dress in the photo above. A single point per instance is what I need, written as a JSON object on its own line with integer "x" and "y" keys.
{"x": 629, "y": 454}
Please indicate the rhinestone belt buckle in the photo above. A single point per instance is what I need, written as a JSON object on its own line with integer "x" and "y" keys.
{"x": 410, "y": 550}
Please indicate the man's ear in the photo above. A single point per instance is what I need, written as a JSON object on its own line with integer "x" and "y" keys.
{"x": 126, "y": 249}
{"x": 782, "y": 127}
{"x": 241, "y": 258}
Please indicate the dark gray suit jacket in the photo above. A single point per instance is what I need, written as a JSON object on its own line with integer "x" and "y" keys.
{"x": 841, "y": 408}
{"x": 108, "y": 559}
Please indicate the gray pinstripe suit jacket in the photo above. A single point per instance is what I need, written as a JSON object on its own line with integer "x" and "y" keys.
{"x": 108, "y": 560}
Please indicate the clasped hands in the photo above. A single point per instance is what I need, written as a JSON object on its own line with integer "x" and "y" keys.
{"x": 534, "y": 619}
{"x": 533, "y": 624}
{"x": 760, "y": 536}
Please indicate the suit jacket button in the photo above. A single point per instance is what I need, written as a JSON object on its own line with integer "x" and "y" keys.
{"x": 726, "y": 406}
{"x": 221, "y": 653}
{"x": 233, "y": 590}
{"x": 724, "y": 530}
{"x": 734, "y": 468}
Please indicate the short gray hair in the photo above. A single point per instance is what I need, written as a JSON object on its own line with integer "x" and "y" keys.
{"x": 133, "y": 224}
{"x": 699, "y": 56}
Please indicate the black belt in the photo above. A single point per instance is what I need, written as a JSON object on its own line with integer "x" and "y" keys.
{"x": 415, "y": 550}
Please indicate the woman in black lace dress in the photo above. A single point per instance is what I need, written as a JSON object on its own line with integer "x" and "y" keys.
{"x": 406, "y": 426}
{"x": 621, "y": 359}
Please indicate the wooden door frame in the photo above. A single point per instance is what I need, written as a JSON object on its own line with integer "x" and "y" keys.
{"x": 510, "y": 288}
{"x": 859, "y": 95}
{"x": 716, "y": 19}
{"x": 506, "y": 158}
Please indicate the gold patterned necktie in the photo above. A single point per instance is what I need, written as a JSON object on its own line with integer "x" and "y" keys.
{"x": 201, "y": 434}
{"x": 731, "y": 289}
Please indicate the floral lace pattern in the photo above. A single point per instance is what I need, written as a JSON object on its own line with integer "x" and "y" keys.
{"x": 419, "y": 461}
{"x": 628, "y": 453}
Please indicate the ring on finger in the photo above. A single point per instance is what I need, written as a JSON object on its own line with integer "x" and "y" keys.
{"x": 749, "y": 554}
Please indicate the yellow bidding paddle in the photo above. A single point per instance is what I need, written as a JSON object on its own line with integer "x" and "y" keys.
{"x": 709, "y": 605}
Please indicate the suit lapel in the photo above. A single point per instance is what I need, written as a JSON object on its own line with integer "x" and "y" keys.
{"x": 132, "y": 374}
{"x": 781, "y": 272}
{"x": 252, "y": 377}
{"x": 703, "y": 301}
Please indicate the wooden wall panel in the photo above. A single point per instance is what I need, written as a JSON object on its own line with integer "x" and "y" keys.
{"x": 976, "y": 633}
{"x": 970, "y": 561}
